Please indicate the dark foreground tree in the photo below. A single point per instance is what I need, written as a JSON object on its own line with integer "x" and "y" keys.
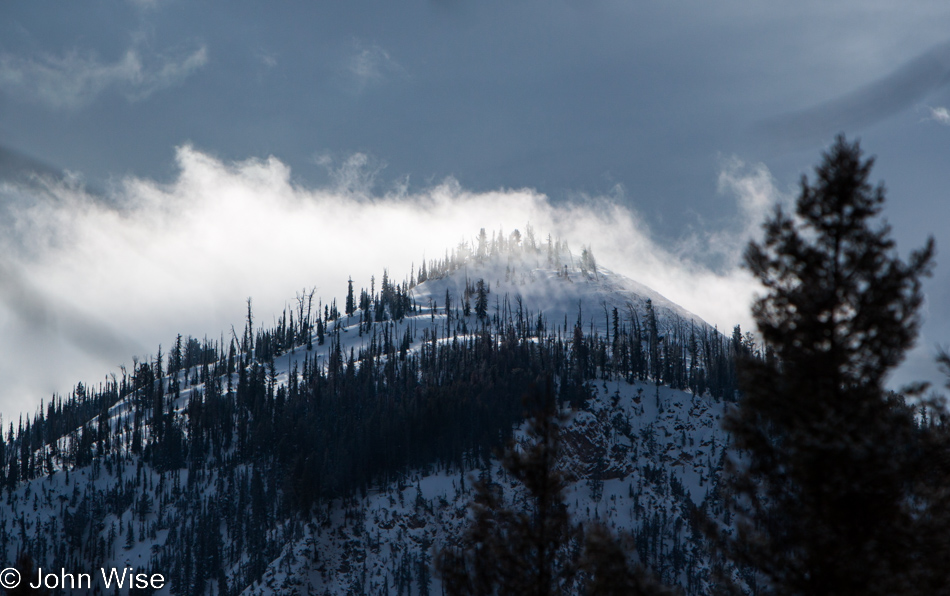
{"x": 518, "y": 552}
{"x": 537, "y": 550}
{"x": 28, "y": 575}
{"x": 608, "y": 571}
{"x": 832, "y": 485}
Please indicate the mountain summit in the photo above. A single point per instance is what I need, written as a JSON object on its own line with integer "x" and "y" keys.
{"x": 335, "y": 451}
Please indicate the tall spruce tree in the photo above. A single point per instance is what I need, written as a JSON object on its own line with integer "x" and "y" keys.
{"x": 537, "y": 550}
{"x": 481, "y": 299}
{"x": 829, "y": 481}
{"x": 519, "y": 552}
{"x": 350, "y": 307}
{"x": 28, "y": 576}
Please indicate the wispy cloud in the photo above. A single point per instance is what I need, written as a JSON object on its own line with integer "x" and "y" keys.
{"x": 356, "y": 175}
{"x": 371, "y": 65}
{"x": 75, "y": 79}
{"x": 939, "y": 114}
{"x": 160, "y": 259}
{"x": 754, "y": 190}
{"x": 268, "y": 59}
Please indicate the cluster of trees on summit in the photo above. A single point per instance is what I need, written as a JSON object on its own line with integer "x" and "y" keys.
{"x": 344, "y": 421}
{"x": 835, "y": 486}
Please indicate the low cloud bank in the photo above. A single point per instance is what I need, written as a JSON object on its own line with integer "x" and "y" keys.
{"x": 85, "y": 284}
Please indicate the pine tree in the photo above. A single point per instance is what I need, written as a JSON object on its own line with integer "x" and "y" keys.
{"x": 174, "y": 359}
{"x": 481, "y": 299}
{"x": 656, "y": 362}
{"x": 608, "y": 569}
{"x": 518, "y": 552}
{"x": 28, "y": 575}
{"x": 827, "y": 487}
{"x": 350, "y": 302}
{"x": 537, "y": 550}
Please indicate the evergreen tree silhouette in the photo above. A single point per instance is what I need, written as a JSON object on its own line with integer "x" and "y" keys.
{"x": 609, "y": 571}
{"x": 350, "y": 307}
{"x": 28, "y": 575}
{"x": 828, "y": 482}
{"x": 481, "y": 299}
{"x": 518, "y": 552}
{"x": 537, "y": 550}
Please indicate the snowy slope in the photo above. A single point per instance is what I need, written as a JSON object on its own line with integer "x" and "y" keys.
{"x": 635, "y": 458}
{"x": 642, "y": 455}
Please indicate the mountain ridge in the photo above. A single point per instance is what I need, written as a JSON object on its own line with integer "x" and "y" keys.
{"x": 254, "y": 438}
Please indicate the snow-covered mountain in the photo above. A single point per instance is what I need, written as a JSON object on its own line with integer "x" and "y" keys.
{"x": 641, "y": 465}
{"x": 336, "y": 451}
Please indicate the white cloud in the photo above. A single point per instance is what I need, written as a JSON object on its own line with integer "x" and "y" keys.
{"x": 355, "y": 175}
{"x": 268, "y": 59}
{"x": 182, "y": 257}
{"x": 74, "y": 80}
{"x": 940, "y": 114}
{"x": 756, "y": 196}
{"x": 371, "y": 65}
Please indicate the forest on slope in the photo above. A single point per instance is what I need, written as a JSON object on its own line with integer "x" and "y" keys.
{"x": 250, "y": 434}
{"x": 210, "y": 462}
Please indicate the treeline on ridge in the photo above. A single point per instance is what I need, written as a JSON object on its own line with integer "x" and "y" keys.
{"x": 420, "y": 392}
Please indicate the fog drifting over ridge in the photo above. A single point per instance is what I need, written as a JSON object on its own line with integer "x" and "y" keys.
{"x": 86, "y": 284}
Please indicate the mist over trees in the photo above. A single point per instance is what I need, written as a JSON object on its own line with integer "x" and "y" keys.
{"x": 220, "y": 452}
{"x": 212, "y": 446}
{"x": 836, "y": 485}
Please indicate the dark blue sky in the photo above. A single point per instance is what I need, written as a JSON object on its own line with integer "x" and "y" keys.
{"x": 563, "y": 97}
{"x": 640, "y": 101}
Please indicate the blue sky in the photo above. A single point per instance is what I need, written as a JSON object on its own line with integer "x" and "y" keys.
{"x": 692, "y": 116}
